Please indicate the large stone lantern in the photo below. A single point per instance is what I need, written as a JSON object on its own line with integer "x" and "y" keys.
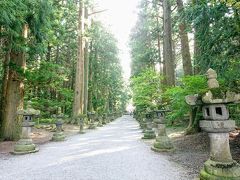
{"x": 220, "y": 165}
{"x": 149, "y": 132}
{"x": 25, "y": 144}
{"x": 163, "y": 142}
{"x": 59, "y": 135}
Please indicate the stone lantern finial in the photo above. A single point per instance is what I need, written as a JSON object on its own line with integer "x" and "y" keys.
{"x": 212, "y": 79}
{"x": 59, "y": 111}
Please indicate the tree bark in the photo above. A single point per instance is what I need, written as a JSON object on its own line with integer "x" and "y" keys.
{"x": 79, "y": 79}
{"x": 167, "y": 45}
{"x": 13, "y": 92}
{"x": 86, "y": 71}
{"x": 159, "y": 48}
{"x": 186, "y": 57}
{"x": 49, "y": 50}
{"x": 90, "y": 89}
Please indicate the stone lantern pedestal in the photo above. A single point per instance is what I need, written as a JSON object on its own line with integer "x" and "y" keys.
{"x": 149, "y": 132}
{"x": 163, "y": 142}
{"x": 91, "y": 116}
{"x": 59, "y": 135}
{"x": 25, "y": 144}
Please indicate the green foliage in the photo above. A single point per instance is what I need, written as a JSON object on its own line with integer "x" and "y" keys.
{"x": 146, "y": 90}
{"x": 234, "y": 110}
{"x": 15, "y": 14}
{"x": 144, "y": 37}
{"x": 45, "y": 87}
{"x": 217, "y": 32}
{"x": 175, "y": 96}
{"x": 106, "y": 86}
{"x": 46, "y": 121}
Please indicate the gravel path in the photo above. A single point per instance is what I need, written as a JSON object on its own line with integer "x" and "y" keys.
{"x": 113, "y": 152}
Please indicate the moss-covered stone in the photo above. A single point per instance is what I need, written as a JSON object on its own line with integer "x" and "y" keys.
{"x": 220, "y": 171}
{"x": 92, "y": 126}
{"x": 162, "y": 144}
{"x": 58, "y": 136}
{"x": 149, "y": 134}
{"x": 24, "y": 146}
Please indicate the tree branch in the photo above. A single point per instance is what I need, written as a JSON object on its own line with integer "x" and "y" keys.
{"x": 97, "y": 12}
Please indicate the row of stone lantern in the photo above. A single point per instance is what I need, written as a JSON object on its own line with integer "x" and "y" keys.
{"x": 154, "y": 128}
{"x": 100, "y": 120}
{"x": 25, "y": 145}
{"x": 216, "y": 123}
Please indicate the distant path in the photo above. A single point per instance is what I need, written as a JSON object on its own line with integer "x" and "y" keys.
{"x": 113, "y": 152}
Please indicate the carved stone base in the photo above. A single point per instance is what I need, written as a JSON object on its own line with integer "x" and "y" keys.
{"x": 220, "y": 171}
{"x": 58, "y": 136}
{"x": 25, "y": 146}
{"x": 149, "y": 134}
{"x": 100, "y": 124}
{"x": 162, "y": 144}
{"x": 92, "y": 126}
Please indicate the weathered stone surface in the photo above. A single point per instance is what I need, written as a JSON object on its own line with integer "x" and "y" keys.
{"x": 212, "y": 79}
{"x": 220, "y": 166}
{"x": 58, "y": 136}
{"x": 81, "y": 128}
{"x": 215, "y": 112}
{"x": 219, "y": 147}
{"x": 149, "y": 134}
{"x": 220, "y": 171}
{"x": 217, "y": 126}
{"x": 24, "y": 146}
{"x": 162, "y": 143}
{"x": 191, "y": 99}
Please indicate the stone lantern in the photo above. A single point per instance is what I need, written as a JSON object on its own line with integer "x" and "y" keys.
{"x": 104, "y": 121}
{"x": 59, "y": 135}
{"x": 81, "y": 124}
{"x": 149, "y": 132}
{"x": 111, "y": 117}
{"x": 91, "y": 116}
{"x": 100, "y": 121}
{"x": 108, "y": 118}
{"x": 218, "y": 125}
{"x": 25, "y": 144}
{"x": 142, "y": 122}
{"x": 163, "y": 142}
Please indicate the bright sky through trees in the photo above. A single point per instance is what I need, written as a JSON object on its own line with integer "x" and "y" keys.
{"x": 120, "y": 16}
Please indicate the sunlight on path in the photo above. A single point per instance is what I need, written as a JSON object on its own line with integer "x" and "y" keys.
{"x": 113, "y": 152}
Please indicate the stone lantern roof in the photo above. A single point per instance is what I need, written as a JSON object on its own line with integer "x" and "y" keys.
{"x": 29, "y": 111}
